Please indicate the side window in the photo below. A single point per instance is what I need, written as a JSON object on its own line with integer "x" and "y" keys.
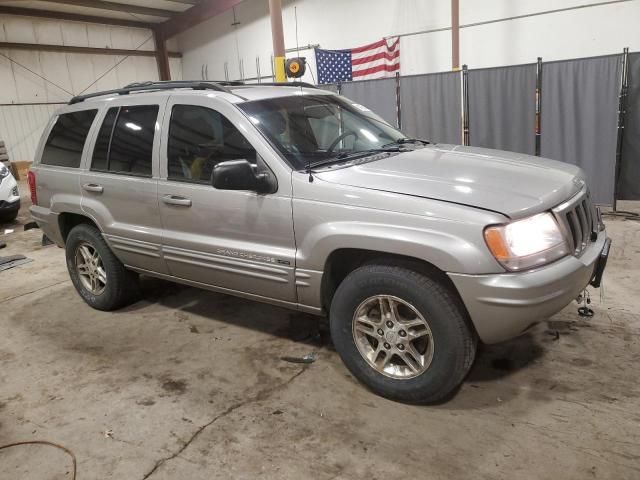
{"x": 199, "y": 139}
{"x": 125, "y": 141}
{"x": 66, "y": 140}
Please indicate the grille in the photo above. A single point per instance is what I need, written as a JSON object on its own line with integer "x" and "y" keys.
{"x": 578, "y": 218}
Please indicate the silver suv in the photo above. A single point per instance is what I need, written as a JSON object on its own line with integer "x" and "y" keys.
{"x": 299, "y": 197}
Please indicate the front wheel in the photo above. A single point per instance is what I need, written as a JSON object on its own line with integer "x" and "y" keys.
{"x": 402, "y": 333}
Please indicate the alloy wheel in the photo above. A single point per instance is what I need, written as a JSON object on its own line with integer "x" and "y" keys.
{"x": 393, "y": 337}
{"x": 90, "y": 269}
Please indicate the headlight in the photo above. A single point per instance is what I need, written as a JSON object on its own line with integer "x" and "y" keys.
{"x": 4, "y": 171}
{"x": 526, "y": 243}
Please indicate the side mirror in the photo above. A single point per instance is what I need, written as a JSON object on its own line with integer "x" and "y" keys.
{"x": 240, "y": 175}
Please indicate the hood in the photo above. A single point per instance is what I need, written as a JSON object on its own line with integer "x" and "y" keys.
{"x": 510, "y": 183}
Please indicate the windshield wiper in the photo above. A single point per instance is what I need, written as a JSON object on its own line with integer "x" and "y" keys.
{"x": 342, "y": 157}
{"x": 405, "y": 140}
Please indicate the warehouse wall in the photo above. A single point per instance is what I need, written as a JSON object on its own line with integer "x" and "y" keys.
{"x": 27, "y": 101}
{"x": 595, "y": 30}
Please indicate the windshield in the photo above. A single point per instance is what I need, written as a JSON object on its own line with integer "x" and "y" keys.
{"x": 312, "y": 129}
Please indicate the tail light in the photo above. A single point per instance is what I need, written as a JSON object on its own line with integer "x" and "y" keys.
{"x": 31, "y": 180}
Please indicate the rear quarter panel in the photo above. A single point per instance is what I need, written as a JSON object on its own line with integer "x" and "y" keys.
{"x": 57, "y": 188}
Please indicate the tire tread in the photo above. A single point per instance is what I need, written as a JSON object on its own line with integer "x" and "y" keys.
{"x": 454, "y": 310}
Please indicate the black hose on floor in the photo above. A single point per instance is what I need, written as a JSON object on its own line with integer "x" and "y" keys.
{"x": 44, "y": 442}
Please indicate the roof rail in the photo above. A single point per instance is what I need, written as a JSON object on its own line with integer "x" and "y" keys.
{"x": 283, "y": 84}
{"x": 220, "y": 86}
{"x": 164, "y": 85}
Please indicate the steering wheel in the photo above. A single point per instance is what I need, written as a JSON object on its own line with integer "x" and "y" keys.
{"x": 342, "y": 136}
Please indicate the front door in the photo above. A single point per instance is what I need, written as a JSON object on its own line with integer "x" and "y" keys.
{"x": 239, "y": 241}
{"x": 120, "y": 182}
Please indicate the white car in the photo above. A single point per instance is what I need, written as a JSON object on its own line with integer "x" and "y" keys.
{"x": 9, "y": 195}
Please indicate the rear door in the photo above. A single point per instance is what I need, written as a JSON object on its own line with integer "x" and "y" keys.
{"x": 236, "y": 240}
{"x": 120, "y": 180}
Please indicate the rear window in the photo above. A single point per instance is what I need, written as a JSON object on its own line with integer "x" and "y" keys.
{"x": 125, "y": 141}
{"x": 66, "y": 140}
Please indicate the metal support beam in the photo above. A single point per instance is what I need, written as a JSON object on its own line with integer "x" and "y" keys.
{"x": 277, "y": 34}
{"x": 455, "y": 34}
{"x": 87, "y": 50}
{"x": 538, "y": 107}
{"x": 398, "y": 103}
{"x": 116, "y": 7}
{"x": 74, "y": 17}
{"x": 622, "y": 105}
{"x": 162, "y": 56}
{"x": 195, "y": 15}
{"x": 465, "y": 105}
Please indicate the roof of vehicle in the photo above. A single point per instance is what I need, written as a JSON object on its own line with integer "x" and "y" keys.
{"x": 237, "y": 91}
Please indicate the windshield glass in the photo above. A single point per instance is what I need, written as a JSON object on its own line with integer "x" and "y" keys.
{"x": 309, "y": 129}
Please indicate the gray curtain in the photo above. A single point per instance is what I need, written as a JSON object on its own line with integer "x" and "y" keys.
{"x": 579, "y": 118}
{"x": 502, "y": 108}
{"x": 332, "y": 87}
{"x": 629, "y": 180}
{"x": 378, "y": 95}
{"x": 430, "y": 107}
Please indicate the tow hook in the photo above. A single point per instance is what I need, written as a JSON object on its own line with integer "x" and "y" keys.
{"x": 585, "y": 299}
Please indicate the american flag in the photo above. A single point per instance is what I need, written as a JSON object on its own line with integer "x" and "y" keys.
{"x": 376, "y": 60}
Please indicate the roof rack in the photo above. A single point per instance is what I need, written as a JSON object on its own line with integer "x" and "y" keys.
{"x": 164, "y": 85}
{"x": 282, "y": 84}
{"x": 220, "y": 86}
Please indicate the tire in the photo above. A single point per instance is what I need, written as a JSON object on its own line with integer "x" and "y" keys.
{"x": 447, "y": 344}
{"x": 8, "y": 218}
{"x": 120, "y": 286}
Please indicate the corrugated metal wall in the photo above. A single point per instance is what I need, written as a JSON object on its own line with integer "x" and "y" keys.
{"x": 23, "y": 91}
{"x": 21, "y": 127}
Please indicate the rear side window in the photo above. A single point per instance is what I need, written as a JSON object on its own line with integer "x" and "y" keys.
{"x": 199, "y": 139}
{"x": 125, "y": 141}
{"x": 66, "y": 140}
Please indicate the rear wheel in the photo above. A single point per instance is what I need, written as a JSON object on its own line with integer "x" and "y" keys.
{"x": 401, "y": 333}
{"x": 99, "y": 277}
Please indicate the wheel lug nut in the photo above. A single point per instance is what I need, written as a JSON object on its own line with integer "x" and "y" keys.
{"x": 387, "y": 346}
{"x": 380, "y": 332}
{"x": 390, "y": 324}
{"x": 400, "y": 346}
{"x": 402, "y": 333}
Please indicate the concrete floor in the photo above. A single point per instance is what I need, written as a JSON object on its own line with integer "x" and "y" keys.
{"x": 189, "y": 384}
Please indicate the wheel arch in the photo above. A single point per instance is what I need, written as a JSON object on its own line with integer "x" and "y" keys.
{"x": 343, "y": 261}
{"x": 68, "y": 220}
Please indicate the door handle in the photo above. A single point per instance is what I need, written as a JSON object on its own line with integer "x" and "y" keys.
{"x": 176, "y": 200}
{"x": 93, "y": 187}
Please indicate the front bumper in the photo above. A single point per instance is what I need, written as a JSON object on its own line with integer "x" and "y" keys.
{"x": 505, "y": 305}
{"x": 7, "y": 207}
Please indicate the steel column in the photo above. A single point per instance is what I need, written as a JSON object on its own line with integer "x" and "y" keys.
{"x": 622, "y": 105}
{"x": 538, "y": 123}
{"x": 398, "y": 106}
{"x": 465, "y": 105}
{"x": 277, "y": 34}
{"x": 162, "y": 57}
{"x": 455, "y": 34}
